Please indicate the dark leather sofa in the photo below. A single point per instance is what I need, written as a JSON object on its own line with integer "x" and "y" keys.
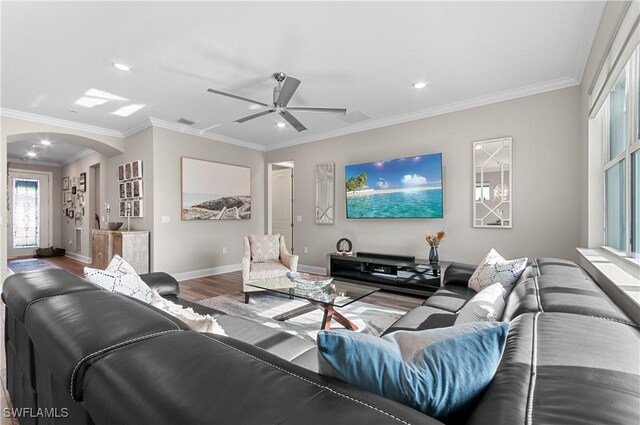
{"x": 571, "y": 357}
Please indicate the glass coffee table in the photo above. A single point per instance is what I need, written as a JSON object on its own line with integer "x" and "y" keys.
{"x": 325, "y": 297}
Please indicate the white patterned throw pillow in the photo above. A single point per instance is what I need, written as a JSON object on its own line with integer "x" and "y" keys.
{"x": 120, "y": 277}
{"x": 495, "y": 269}
{"x": 264, "y": 248}
{"x": 486, "y": 306}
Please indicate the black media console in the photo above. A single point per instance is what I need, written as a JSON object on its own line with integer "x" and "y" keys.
{"x": 389, "y": 272}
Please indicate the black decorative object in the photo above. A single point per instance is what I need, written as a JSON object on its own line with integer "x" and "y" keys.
{"x": 344, "y": 246}
{"x": 433, "y": 255}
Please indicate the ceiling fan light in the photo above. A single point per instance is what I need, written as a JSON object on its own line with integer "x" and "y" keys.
{"x": 281, "y": 125}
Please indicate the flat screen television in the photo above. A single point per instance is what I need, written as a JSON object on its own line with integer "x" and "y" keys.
{"x": 398, "y": 188}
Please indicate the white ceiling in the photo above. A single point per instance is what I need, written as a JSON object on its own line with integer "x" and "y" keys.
{"x": 57, "y": 154}
{"x": 360, "y": 55}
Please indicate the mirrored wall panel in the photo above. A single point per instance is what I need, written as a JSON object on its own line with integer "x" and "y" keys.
{"x": 493, "y": 189}
{"x": 325, "y": 193}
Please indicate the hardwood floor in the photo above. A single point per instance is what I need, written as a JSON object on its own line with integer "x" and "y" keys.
{"x": 192, "y": 290}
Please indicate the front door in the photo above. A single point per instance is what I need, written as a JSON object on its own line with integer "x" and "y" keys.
{"x": 28, "y": 219}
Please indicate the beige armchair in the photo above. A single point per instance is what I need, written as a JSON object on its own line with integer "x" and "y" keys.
{"x": 273, "y": 267}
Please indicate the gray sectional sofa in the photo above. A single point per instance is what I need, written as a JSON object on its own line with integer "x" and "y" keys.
{"x": 571, "y": 357}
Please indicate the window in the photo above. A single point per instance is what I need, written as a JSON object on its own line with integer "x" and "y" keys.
{"x": 622, "y": 162}
{"x": 26, "y": 213}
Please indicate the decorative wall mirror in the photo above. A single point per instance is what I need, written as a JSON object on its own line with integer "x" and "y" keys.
{"x": 492, "y": 183}
{"x": 325, "y": 191}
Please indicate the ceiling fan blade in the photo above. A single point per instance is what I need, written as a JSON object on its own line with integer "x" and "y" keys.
{"x": 237, "y": 97}
{"x": 250, "y": 117}
{"x": 293, "y": 121}
{"x": 288, "y": 89}
{"x": 337, "y": 111}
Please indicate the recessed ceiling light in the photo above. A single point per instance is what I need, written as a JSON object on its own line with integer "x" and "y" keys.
{"x": 281, "y": 125}
{"x": 419, "y": 85}
{"x": 31, "y": 154}
{"x": 90, "y": 102}
{"x": 45, "y": 142}
{"x": 121, "y": 66}
{"x": 254, "y": 106}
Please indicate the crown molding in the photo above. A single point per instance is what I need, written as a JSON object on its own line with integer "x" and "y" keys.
{"x": 43, "y": 163}
{"x": 592, "y": 15}
{"x": 531, "y": 90}
{"x": 181, "y": 128}
{"x": 72, "y": 125}
{"x": 143, "y": 125}
{"x": 84, "y": 153}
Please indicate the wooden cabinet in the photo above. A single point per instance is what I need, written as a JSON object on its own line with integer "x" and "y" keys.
{"x": 133, "y": 246}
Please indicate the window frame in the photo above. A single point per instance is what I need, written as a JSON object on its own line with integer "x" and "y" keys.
{"x": 632, "y": 145}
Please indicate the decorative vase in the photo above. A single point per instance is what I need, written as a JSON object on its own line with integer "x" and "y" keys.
{"x": 433, "y": 255}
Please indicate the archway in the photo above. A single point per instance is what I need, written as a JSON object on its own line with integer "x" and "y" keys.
{"x": 109, "y": 147}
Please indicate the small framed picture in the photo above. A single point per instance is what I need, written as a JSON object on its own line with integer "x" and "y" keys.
{"x": 83, "y": 177}
{"x": 121, "y": 172}
{"x": 128, "y": 190}
{"x": 137, "y": 188}
{"x": 137, "y": 208}
{"x": 71, "y": 213}
{"x": 82, "y": 187}
{"x": 123, "y": 208}
{"x": 65, "y": 183}
{"x": 73, "y": 190}
{"x": 73, "y": 181}
{"x": 67, "y": 197}
{"x": 136, "y": 169}
{"x": 127, "y": 171}
{"x": 122, "y": 190}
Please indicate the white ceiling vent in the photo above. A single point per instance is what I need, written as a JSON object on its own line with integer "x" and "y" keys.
{"x": 186, "y": 121}
{"x": 354, "y": 117}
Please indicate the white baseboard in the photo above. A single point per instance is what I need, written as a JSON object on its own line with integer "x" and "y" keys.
{"x": 81, "y": 258}
{"x": 312, "y": 269}
{"x": 206, "y": 272}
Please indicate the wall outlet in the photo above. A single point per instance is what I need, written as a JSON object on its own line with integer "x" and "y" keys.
{"x": 306, "y": 249}
{"x": 299, "y": 218}
{"x": 166, "y": 219}
{"x": 224, "y": 250}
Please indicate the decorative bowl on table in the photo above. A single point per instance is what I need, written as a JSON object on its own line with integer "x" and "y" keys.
{"x": 308, "y": 280}
{"x": 114, "y": 225}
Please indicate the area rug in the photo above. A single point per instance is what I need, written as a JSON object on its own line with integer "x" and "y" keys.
{"x": 369, "y": 318}
{"x": 29, "y": 265}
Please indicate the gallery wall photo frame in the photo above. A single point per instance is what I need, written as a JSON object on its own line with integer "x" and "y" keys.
{"x": 214, "y": 191}
{"x": 135, "y": 208}
{"x": 130, "y": 170}
{"x": 65, "y": 183}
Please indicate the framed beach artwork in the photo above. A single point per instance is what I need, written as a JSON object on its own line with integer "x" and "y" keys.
{"x": 215, "y": 191}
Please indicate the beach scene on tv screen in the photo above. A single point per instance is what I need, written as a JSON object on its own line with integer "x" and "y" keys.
{"x": 398, "y": 188}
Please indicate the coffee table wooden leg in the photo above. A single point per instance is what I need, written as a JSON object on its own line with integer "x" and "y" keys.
{"x": 348, "y": 324}
{"x": 326, "y": 319}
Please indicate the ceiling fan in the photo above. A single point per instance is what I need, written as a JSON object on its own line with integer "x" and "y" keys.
{"x": 282, "y": 94}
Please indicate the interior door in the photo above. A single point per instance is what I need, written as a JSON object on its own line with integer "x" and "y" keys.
{"x": 282, "y": 204}
{"x": 29, "y": 215}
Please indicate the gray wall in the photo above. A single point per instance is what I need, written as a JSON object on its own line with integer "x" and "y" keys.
{"x": 546, "y": 193}
{"x": 70, "y": 224}
{"x": 183, "y": 246}
{"x": 56, "y": 202}
{"x": 138, "y": 146}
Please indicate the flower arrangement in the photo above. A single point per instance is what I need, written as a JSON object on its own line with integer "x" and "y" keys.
{"x": 434, "y": 240}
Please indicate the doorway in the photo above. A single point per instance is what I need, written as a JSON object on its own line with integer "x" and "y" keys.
{"x": 29, "y": 212}
{"x": 281, "y": 205}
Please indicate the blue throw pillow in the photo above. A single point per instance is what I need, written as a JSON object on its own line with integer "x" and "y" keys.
{"x": 437, "y": 371}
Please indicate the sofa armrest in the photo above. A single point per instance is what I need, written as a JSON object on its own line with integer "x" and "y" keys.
{"x": 162, "y": 282}
{"x": 458, "y": 274}
{"x": 290, "y": 260}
